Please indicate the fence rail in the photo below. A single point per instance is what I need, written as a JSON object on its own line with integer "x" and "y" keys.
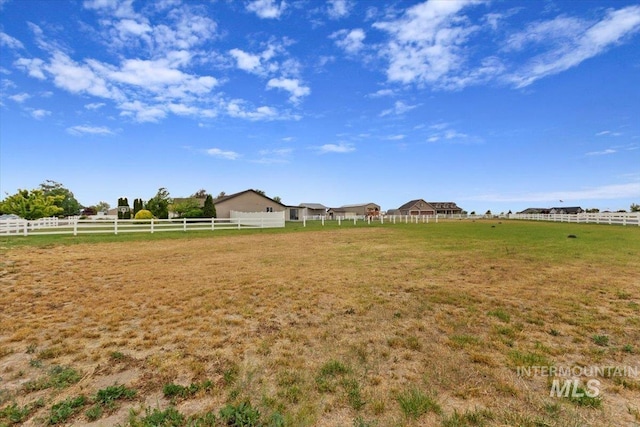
{"x": 612, "y": 218}
{"x": 21, "y": 227}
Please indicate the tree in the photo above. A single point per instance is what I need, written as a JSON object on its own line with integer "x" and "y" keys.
{"x": 103, "y": 207}
{"x": 68, "y": 203}
{"x": 188, "y": 208}
{"x": 159, "y": 204}
{"x": 32, "y": 204}
{"x": 209, "y": 209}
{"x": 122, "y": 202}
{"x": 277, "y": 199}
{"x": 200, "y": 194}
{"x": 138, "y": 205}
{"x": 221, "y": 195}
{"x": 592, "y": 210}
{"x": 634, "y": 208}
{"x": 262, "y": 193}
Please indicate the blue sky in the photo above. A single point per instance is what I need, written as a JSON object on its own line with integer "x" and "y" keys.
{"x": 497, "y": 105}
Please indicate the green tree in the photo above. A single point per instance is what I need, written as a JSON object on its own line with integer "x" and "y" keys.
{"x": 209, "y": 209}
{"x": 102, "y": 207}
{"x": 200, "y": 194}
{"x": 122, "y": 202}
{"x": 32, "y": 204}
{"x": 592, "y": 210}
{"x": 138, "y": 205}
{"x": 261, "y": 192}
{"x": 188, "y": 208}
{"x": 634, "y": 208}
{"x": 277, "y": 199}
{"x": 68, "y": 203}
{"x": 159, "y": 204}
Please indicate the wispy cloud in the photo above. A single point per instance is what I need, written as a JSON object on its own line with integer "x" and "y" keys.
{"x": 94, "y": 105}
{"x": 89, "y": 130}
{"x": 10, "y": 42}
{"x": 398, "y": 109}
{"x": 222, "y": 154}
{"x": 274, "y": 156}
{"x": 39, "y": 114}
{"x": 608, "y": 133}
{"x": 20, "y": 97}
{"x": 601, "y": 153}
{"x": 336, "y": 148}
{"x": 614, "y": 191}
{"x": 571, "y": 41}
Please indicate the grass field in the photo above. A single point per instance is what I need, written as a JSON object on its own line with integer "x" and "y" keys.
{"x": 449, "y": 324}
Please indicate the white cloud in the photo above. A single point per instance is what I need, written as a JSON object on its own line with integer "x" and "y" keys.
{"x": 338, "y": 8}
{"x": 572, "y": 42}
{"x": 275, "y": 156}
{"x": 396, "y": 137}
{"x": 94, "y": 105}
{"x": 425, "y": 44}
{"x": 236, "y": 108}
{"x": 382, "y": 92}
{"x": 350, "y": 41}
{"x": 78, "y": 78}
{"x": 292, "y": 86}
{"x": 89, "y": 130}
{"x": 10, "y": 42}
{"x": 222, "y": 154}
{"x": 608, "y": 132}
{"x": 20, "y": 97}
{"x": 615, "y": 191}
{"x": 33, "y": 67}
{"x": 267, "y": 9}
{"x": 601, "y": 153}
{"x": 39, "y": 113}
{"x": 336, "y": 148}
{"x": 246, "y": 61}
{"x": 142, "y": 112}
{"x": 398, "y": 109}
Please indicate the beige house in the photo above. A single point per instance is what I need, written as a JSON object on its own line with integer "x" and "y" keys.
{"x": 350, "y": 211}
{"x": 246, "y": 201}
{"x": 415, "y": 207}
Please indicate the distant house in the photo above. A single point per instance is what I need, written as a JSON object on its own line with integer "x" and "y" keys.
{"x": 351, "y": 211}
{"x": 566, "y": 210}
{"x": 531, "y": 211}
{"x": 415, "y": 207}
{"x": 306, "y": 210}
{"x": 246, "y": 201}
{"x": 446, "y": 208}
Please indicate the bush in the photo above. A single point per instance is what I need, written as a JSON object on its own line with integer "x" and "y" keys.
{"x": 144, "y": 214}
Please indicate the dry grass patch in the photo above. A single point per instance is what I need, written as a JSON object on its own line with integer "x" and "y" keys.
{"x": 401, "y": 325}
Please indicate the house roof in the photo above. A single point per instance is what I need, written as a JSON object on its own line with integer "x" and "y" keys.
{"x": 412, "y": 203}
{"x": 231, "y": 196}
{"x": 567, "y": 209}
{"x": 357, "y": 205}
{"x": 313, "y": 206}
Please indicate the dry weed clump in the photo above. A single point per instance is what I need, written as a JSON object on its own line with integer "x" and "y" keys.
{"x": 378, "y": 326}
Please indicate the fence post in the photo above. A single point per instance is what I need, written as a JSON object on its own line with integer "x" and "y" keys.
{"x": 151, "y": 225}
{"x": 381, "y": 219}
{"x": 213, "y": 222}
{"x": 354, "y": 220}
{"x": 26, "y": 228}
{"x": 339, "y": 221}
{"x": 304, "y": 220}
{"x": 115, "y": 226}
{"x": 184, "y": 224}
{"x": 75, "y": 227}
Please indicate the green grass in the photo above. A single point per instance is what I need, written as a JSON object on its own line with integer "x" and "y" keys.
{"x": 414, "y": 403}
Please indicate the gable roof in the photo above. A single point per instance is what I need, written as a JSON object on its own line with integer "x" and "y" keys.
{"x": 413, "y": 203}
{"x": 313, "y": 206}
{"x": 357, "y": 205}
{"x": 231, "y": 196}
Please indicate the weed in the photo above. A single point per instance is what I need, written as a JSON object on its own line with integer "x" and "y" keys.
{"x": 15, "y": 414}
{"x": 62, "y": 411}
{"x": 108, "y": 396}
{"x": 94, "y": 412}
{"x": 241, "y": 415}
{"x": 628, "y": 348}
{"x": 31, "y": 348}
{"x": 601, "y": 340}
{"x": 325, "y": 380}
{"x": 58, "y": 377}
{"x": 170, "y": 417}
{"x": 117, "y": 356}
{"x": 477, "y": 417}
{"x": 354, "y": 395}
{"x": 414, "y": 403}
{"x": 528, "y": 359}
{"x": 361, "y": 422}
{"x": 179, "y": 391}
{"x": 580, "y": 397}
{"x": 554, "y": 332}
{"x": 501, "y": 314}
{"x": 464, "y": 340}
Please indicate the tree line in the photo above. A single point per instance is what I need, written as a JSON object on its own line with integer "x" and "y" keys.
{"x": 52, "y": 198}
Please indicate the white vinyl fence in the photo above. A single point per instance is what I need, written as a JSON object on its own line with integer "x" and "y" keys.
{"x": 21, "y": 227}
{"x": 613, "y": 218}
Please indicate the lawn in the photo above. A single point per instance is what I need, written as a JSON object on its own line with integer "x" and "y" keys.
{"x": 451, "y": 324}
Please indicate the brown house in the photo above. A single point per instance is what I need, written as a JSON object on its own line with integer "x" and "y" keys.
{"x": 246, "y": 201}
{"x": 350, "y": 211}
{"x": 415, "y": 207}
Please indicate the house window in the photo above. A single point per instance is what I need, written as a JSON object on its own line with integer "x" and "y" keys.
{"x": 269, "y": 209}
